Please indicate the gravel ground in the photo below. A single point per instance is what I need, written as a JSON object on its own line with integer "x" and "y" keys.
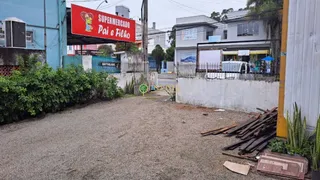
{"x": 131, "y": 138}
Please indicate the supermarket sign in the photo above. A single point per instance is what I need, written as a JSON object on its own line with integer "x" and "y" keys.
{"x": 89, "y": 22}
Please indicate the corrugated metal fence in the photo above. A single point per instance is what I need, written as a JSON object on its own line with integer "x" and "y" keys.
{"x": 303, "y": 59}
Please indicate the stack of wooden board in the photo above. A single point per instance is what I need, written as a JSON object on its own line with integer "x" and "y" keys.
{"x": 254, "y": 134}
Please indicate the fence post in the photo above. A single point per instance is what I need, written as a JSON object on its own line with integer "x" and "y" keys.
{"x": 207, "y": 70}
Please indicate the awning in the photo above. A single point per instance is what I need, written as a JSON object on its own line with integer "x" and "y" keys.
{"x": 251, "y": 52}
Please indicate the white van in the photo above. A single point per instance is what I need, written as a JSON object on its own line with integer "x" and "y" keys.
{"x": 231, "y": 70}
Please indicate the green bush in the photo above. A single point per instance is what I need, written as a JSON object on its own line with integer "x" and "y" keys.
{"x": 278, "y": 145}
{"x": 40, "y": 89}
{"x": 298, "y": 137}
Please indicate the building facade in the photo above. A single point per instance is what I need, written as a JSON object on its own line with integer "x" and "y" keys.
{"x": 201, "y": 29}
{"x": 156, "y": 37}
{"x": 123, "y": 11}
{"x": 32, "y": 14}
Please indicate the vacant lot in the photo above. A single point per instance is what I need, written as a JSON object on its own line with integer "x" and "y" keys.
{"x": 131, "y": 138}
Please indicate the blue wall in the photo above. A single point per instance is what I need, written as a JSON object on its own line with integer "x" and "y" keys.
{"x": 96, "y": 64}
{"x": 32, "y": 13}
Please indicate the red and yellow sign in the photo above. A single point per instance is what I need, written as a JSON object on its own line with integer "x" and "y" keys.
{"x": 89, "y": 22}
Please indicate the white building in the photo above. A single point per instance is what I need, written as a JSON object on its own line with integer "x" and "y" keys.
{"x": 155, "y": 37}
{"x": 202, "y": 29}
{"x": 123, "y": 11}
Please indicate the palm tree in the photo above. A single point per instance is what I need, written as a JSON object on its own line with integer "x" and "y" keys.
{"x": 270, "y": 12}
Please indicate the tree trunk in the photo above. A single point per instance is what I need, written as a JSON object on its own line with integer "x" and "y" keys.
{"x": 275, "y": 46}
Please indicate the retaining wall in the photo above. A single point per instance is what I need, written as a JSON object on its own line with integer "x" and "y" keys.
{"x": 237, "y": 95}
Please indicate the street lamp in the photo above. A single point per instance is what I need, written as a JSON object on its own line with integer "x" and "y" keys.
{"x": 102, "y": 3}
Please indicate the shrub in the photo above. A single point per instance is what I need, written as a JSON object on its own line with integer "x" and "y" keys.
{"x": 298, "y": 137}
{"x": 315, "y": 149}
{"x": 278, "y": 145}
{"x": 40, "y": 89}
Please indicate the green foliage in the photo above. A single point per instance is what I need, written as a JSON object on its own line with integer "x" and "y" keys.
{"x": 129, "y": 47}
{"x": 105, "y": 50}
{"x": 169, "y": 56}
{"x": 172, "y": 37}
{"x": 315, "y": 149}
{"x": 27, "y": 62}
{"x": 215, "y": 15}
{"x": 219, "y": 16}
{"x": 278, "y": 145}
{"x": 297, "y": 142}
{"x": 129, "y": 88}
{"x": 269, "y": 12}
{"x": 158, "y": 54}
{"x": 43, "y": 90}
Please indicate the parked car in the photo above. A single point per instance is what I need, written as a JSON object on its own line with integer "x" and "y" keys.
{"x": 232, "y": 70}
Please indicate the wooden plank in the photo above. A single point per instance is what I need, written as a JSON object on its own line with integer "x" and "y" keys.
{"x": 262, "y": 110}
{"x": 237, "y": 168}
{"x": 244, "y": 146}
{"x": 257, "y": 124}
{"x": 225, "y": 129}
{"x": 260, "y": 141}
{"x": 239, "y": 127}
{"x": 251, "y": 132}
{"x": 235, "y": 145}
{"x": 246, "y": 129}
{"x": 262, "y": 146}
{"x": 209, "y": 132}
{"x": 218, "y": 131}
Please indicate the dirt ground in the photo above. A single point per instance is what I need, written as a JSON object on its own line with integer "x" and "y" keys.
{"x": 131, "y": 138}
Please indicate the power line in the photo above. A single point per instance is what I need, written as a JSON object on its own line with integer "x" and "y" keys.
{"x": 184, "y": 8}
{"x": 183, "y": 5}
{"x": 111, "y": 5}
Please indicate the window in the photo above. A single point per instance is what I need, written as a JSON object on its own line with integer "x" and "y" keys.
{"x": 189, "y": 34}
{"x": 225, "y": 34}
{"x": 248, "y": 29}
{"x": 1, "y": 34}
{"x": 29, "y": 36}
{"x": 209, "y": 33}
{"x": 70, "y": 48}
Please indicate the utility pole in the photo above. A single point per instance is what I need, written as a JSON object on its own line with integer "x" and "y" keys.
{"x": 45, "y": 29}
{"x": 145, "y": 39}
{"x": 282, "y": 123}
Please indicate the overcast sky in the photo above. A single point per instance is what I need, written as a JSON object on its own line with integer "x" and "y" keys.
{"x": 165, "y": 12}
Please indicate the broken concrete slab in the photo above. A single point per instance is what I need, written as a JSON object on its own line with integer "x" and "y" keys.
{"x": 237, "y": 168}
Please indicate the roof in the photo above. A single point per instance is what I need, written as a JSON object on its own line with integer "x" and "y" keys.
{"x": 194, "y": 19}
{"x": 196, "y": 24}
{"x": 14, "y": 19}
{"x": 236, "y": 15}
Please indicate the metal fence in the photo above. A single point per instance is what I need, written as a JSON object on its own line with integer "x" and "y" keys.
{"x": 227, "y": 70}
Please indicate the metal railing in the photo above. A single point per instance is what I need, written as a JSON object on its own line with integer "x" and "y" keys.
{"x": 227, "y": 70}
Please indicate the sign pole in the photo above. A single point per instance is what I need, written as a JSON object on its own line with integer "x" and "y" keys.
{"x": 45, "y": 29}
{"x": 145, "y": 36}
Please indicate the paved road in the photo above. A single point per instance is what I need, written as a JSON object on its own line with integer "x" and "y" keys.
{"x": 164, "y": 82}
{"x": 131, "y": 138}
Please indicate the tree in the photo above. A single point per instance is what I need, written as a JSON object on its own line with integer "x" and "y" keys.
{"x": 172, "y": 37}
{"x": 226, "y": 11}
{"x": 169, "y": 56}
{"x": 218, "y": 17}
{"x": 215, "y": 15}
{"x": 170, "y": 52}
{"x": 269, "y": 12}
{"x": 105, "y": 50}
{"x": 158, "y": 54}
{"x": 130, "y": 47}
